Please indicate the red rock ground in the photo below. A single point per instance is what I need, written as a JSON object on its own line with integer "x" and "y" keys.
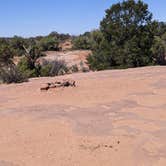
{"x": 111, "y": 118}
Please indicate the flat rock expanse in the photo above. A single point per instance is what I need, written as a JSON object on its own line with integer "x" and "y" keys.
{"x": 112, "y": 118}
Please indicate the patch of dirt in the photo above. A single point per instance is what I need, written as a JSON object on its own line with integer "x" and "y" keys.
{"x": 77, "y": 57}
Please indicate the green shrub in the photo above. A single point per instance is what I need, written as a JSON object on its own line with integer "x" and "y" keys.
{"x": 6, "y": 54}
{"x": 11, "y": 74}
{"x": 25, "y": 68}
{"x": 159, "y": 51}
{"x": 128, "y": 35}
{"x": 58, "y": 67}
{"x": 82, "y": 43}
{"x": 85, "y": 69}
{"x": 8, "y": 71}
{"x": 88, "y": 41}
{"x": 48, "y": 44}
{"x": 74, "y": 68}
{"x": 16, "y": 43}
{"x": 45, "y": 70}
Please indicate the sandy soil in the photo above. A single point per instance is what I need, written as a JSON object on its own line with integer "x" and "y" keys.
{"x": 112, "y": 118}
{"x": 76, "y": 57}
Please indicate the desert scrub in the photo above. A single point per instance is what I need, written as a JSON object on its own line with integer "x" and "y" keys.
{"x": 74, "y": 68}
{"x": 10, "y": 74}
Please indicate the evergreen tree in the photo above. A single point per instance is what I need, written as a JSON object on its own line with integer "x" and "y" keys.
{"x": 128, "y": 37}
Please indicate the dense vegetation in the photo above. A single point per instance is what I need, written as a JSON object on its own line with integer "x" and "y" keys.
{"x": 128, "y": 37}
{"x": 30, "y": 49}
{"x": 8, "y": 71}
{"x": 88, "y": 40}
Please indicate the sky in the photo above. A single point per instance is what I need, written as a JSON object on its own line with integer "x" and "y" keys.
{"x": 40, "y": 17}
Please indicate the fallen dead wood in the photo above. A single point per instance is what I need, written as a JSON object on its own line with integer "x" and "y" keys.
{"x": 58, "y": 84}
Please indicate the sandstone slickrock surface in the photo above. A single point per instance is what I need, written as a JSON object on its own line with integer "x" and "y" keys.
{"x": 110, "y": 118}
